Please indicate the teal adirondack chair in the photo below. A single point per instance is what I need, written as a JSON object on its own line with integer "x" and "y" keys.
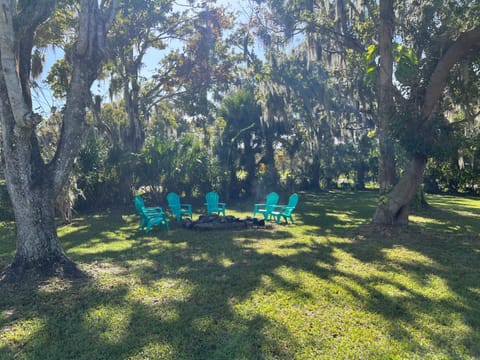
{"x": 266, "y": 208}
{"x": 213, "y": 206}
{"x": 150, "y": 216}
{"x": 178, "y": 209}
{"x": 285, "y": 211}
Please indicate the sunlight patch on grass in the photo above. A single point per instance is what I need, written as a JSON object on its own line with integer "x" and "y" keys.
{"x": 79, "y": 225}
{"x": 475, "y": 290}
{"x": 54, "y": 285}
{"x": 226, "y": 262}
{"x": 334, "y": 241}
{"x": 139, "y": 265}
{"x": 424, "y": 220}
{"x": 203, "y": 324}
{"x": 155, "y": 350}
{"x": 20, "y": 332}
{"x": 6, "y": 315}
{"x": 314, "y": 315}
{"x": 428, "y": 328}
{"x": 391, "y": 290}
{"x": 345, "y": 218}
{"x": 108, "y": 322}
{"x": 203, "y": 257}
{"x": 95, "y": 246}
{"x": 453, "y": 202}
{"x": 161, "y": 246}
{"x": 437, "y": 289}
{"x": 402, "y": 255}
{"x": 430, "y": 284}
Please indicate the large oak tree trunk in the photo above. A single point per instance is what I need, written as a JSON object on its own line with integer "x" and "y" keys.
{"x": 33, "y": 184}
{"x": 31, "y": 190}
{"x": 39, "y": 247}
{"x": 395, "y": 206}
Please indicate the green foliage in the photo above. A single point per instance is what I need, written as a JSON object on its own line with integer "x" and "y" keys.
{"x": 371, "y": 56}
{"x": 317, "y": 101}
{"x": 206, "y": 67}
{"x": 406, "y": 64}
{"x": 458, "y": 173}
{"x": 182, "y": 165}
{"x": 239, "y": 142}
{"x": 59, "y": 78}
{"x": 436, "y": 137}
{"x": 99, "y": 168}
{"x": 52, "y": 32}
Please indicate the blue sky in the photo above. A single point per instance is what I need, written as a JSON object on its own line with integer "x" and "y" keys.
{"x": 43, "y": 99}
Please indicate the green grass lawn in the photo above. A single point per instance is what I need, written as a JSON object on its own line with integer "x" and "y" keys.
{"x": 331, "y": 286}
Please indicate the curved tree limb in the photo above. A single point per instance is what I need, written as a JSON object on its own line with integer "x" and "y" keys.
{"x": 465, "y": 43}
{"x": 89, "y": 50}
{"x": 23, "y": 116}
{"x": 26, "y": 22}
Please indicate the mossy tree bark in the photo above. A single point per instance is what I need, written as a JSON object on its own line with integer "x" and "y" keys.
{"x": 32, "y": 183}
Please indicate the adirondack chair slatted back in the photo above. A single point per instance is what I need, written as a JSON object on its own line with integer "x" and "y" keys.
{"x": 139, "y": 204}
{"x": 150, "y": 216}
{"x": 213, "y": 204}
{"x": 292, "y": 201}
{"x": 286, "y": 211}
{"x": 266, "y": 208}
{"x": 173, "y": 202}
{"x": 177, "y": 208}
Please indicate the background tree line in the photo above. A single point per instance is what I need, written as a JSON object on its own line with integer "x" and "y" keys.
{"x": 298, "y": 112}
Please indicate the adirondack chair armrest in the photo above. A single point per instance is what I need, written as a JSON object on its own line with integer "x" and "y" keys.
{"x": 223, "y": 205}
{"x": 256, "y": 206}
{"x": 151, "y": 213}
{"x": 154, "y": 208}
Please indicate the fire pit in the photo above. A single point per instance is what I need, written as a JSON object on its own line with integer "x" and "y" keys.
{"x": 216, "y": 222}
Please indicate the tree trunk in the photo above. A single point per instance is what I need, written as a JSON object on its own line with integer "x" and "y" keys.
{"x": 315, "y": 185}
{"x": 360, "y": 171}
{"x": 387, "y": 174}
{"x": 32, "y": 184}
{"x": 39, "y": 247}
{"x": 249, "y": 163}
{"x": 31, "y": 190}
{"x": 272, "y": 177}
{"x": 394, "y": 207}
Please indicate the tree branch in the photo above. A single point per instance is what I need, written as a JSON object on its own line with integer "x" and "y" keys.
{"x": 465, "y": 43}
{"x": 23, "y": 116}
{"x": 90, "y": 51}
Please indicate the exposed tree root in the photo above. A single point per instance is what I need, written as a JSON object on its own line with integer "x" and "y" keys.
{"x": 59, "y": 266}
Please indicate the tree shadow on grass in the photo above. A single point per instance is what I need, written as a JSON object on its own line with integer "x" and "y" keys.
{"x": 431, "y": 260}
{"x": 184, "y": 293}
{"x": 448, "y": 241}
{"x": 333, "y": 213}
{"x": 84, "y": 322}
{"x": 200, "y": 323}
